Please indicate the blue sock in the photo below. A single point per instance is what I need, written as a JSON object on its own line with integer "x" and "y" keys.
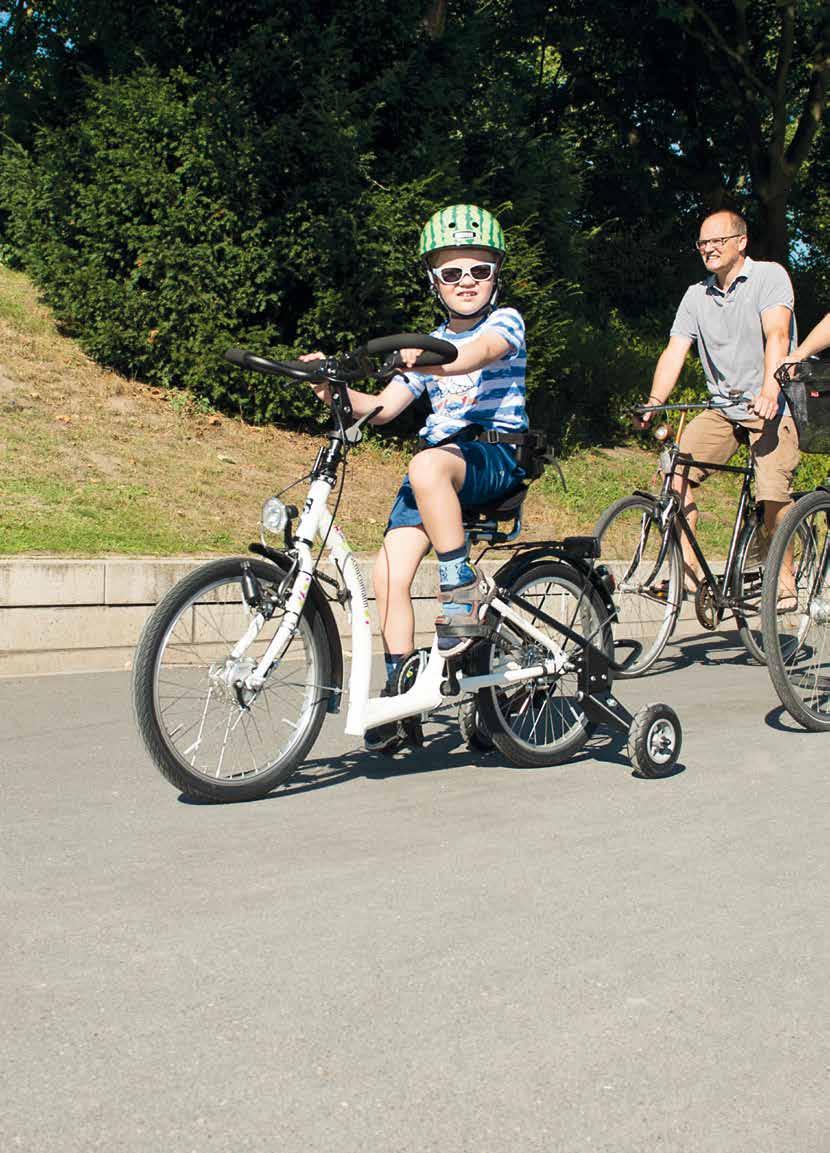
{"x": 454, "y": 569}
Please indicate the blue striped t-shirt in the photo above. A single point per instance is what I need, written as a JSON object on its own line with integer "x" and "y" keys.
{"x": 493, "y": 397}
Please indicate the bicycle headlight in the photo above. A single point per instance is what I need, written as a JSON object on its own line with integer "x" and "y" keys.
{"x": 274, "y": 515}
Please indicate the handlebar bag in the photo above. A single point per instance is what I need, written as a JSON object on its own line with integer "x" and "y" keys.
{"x": 808, "y": 396}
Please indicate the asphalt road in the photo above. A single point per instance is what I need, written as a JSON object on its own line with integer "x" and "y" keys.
{"x": 431, "y": 953}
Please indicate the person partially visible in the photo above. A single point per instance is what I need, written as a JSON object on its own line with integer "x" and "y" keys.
{"x": 814, "y": 342}
{"x": 741, "y": 318}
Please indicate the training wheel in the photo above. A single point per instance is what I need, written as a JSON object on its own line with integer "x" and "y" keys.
{"x": 654, "y": 740}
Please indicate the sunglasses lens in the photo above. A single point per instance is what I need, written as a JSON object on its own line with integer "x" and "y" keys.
{"x": 449, "y": 275}
{"x": 481, "y": 272}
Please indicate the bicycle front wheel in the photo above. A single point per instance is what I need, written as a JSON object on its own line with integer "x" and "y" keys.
{"x": 795, "y": 611}
{"x": 542, "y": 722}
{"x": 207, "y": 734}
{"x": 753, "y": 549}
{"x": 646, "y": 563}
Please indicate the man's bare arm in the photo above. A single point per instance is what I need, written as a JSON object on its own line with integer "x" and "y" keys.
{"x": 775, "y": 322}
{"x": 667, "y": 371}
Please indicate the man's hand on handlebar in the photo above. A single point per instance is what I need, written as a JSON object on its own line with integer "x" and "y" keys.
{"x": 642, "y": 420}
{"x": 765, "y": 404}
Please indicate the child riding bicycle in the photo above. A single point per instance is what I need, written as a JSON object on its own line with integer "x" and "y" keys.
{"x": 462, "y": 248}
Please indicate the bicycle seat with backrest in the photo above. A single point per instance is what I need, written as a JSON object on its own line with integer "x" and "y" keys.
{"x": 482, "y": 521}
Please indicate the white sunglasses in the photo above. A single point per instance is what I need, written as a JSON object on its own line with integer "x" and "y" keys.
{"x": 452, "y": 273}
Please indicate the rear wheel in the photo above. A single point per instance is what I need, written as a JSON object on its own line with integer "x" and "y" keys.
{"x": 647, "y": 566}
{"x": 542, "y": 721}
{"x": 475, "y": 733}
{"x": 208, "y": 735}
{"x": 795, "y": 611}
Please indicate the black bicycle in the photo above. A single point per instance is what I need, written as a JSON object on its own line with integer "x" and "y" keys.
{"x": 795, "y": 605}
{"x": 640, "y": 541}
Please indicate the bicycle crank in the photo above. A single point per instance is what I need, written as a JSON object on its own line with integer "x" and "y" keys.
{"x": 707, "y": 610}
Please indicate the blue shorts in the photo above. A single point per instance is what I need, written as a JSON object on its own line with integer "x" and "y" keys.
{"x": 491, "y": 472}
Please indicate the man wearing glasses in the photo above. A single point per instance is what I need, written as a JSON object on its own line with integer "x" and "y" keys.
{"x": 740, "y": 316}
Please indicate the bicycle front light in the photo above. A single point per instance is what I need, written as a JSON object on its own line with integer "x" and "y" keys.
{"x": 274, "y": 515}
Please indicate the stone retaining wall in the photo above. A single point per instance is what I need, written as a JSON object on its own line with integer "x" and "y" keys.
{"x": 82, "y": 615}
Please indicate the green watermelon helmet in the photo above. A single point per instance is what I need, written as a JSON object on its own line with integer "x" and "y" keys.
{"x": 459, "y": 226}
{"x": 462, "y": 226}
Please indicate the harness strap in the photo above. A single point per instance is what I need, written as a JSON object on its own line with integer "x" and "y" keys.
{"x": 490, "y": 436}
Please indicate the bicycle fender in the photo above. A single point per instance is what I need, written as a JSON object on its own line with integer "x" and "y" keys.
{"x": 321, "y": 604}
{"x": 555, "y": 550}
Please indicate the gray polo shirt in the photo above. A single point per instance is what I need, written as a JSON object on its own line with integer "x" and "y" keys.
{"x": 727, "y": 327}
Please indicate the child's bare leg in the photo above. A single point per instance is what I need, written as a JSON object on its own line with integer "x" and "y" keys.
{"x": 402, "y": 551}
{"x": 436, "y": 475}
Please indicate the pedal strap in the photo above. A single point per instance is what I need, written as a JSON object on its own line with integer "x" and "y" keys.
{"x": 461, "y": 609}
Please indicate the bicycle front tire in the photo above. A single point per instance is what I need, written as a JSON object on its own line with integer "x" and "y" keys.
{"x": 797, "y": 630}
{"x": 646, "y": 562}
{"x": 753, "y": 548}
{"x": 211, "y": 738}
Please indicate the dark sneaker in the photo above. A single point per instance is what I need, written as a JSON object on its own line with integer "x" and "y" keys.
{"x": 384, "y": 738}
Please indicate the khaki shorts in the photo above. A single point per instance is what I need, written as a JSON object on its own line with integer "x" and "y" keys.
{"x": 711, "y": 437}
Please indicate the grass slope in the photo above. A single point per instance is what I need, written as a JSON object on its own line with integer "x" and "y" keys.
{"x": 92, "y": 464}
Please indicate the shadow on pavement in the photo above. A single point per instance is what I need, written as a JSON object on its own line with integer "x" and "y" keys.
{"x": 778, "y": 718}
{"x": 443, "y": 751}
{"x": 712, "y": 649}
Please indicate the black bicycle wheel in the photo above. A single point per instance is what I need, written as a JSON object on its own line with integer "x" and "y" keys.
{"x": 208, "y": 736}
{"x": 472, "y": 727}
{"x": 795, "y": 611}
{"x": 647, "y": 568}
{"x": 542, "y": 722}
{"x": 751, "y": 559}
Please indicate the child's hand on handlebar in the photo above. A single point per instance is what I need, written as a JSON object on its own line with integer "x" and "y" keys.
{"x": 409, "y": 356}
{"x": 320, "y": 387}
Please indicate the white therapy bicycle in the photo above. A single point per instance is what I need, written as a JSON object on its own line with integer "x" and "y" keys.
{"x": 239, "y": 663}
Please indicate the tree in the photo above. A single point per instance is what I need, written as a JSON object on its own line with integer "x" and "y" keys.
{"x": 724, "y": 99}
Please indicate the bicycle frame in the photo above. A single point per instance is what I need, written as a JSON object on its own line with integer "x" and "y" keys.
{"x": 365, "y": 711}
{"x": 722, "y": 599}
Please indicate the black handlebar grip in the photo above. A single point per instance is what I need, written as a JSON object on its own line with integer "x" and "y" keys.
{"x": 431, "y": 345}
{"x": 303, "y": 370}
{"x": 236, "y": 356}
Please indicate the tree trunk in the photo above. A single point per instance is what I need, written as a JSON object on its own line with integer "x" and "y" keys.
{"x": 771, "y": 241}
{"x": 435, "y": 19}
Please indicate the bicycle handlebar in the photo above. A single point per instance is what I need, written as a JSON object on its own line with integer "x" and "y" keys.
{"x": 352, "y": 365}
{"x": 435, "y": 351}
{"x": 736, "y": 396}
